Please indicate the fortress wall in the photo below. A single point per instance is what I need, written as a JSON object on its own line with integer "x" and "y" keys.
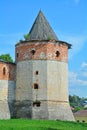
{"x": 7, "y": 81}
{"x": 7, "y": 90}
{"x": 9, "y": 71}
{"x": 4, "y": 110}
{"x": 7, "y": 97}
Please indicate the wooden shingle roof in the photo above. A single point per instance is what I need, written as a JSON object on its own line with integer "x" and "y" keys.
{"x": 41, "y": 29}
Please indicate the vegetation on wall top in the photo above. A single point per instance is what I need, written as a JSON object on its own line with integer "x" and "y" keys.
{"x": 6, "y": 57}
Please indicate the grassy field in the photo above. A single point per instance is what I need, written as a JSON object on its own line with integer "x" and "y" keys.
{"x": 21, "y": 124}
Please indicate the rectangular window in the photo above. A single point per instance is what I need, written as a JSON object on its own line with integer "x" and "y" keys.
{"x": 37, "y": 104}
{"x": 35, "y": 86}
{"x": 36, "y": 72}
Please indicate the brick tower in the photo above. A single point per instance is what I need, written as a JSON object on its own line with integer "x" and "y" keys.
{"x": 42, "y": 74}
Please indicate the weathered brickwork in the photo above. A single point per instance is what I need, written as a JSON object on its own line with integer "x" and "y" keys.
{"x": 43, "y": 50}
{"x": 7, "y": 71}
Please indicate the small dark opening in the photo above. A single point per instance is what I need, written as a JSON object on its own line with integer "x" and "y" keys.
{"x": 4, "y": 71}
{"x": 35, "y": 86}
{"x": 36, "y": 72}
{"x": 17, "y": 55}
{"x": 57, "y": 53}
{"x": 33, "y": 51}
{"x": 37, "y": 104}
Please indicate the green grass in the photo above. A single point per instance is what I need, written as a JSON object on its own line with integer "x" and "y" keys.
{"x": 21, "y": 124}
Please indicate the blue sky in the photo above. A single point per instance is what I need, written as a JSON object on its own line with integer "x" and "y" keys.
{"x": 68, "y": 18}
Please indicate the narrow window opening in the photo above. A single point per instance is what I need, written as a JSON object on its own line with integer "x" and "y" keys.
{"x": 17, "y": 55}
{"x": 35, "y": 86}
{"x": 37, "y": 104}
{"x": 33, "y": 51}
{"x": 36, "y": 72}
{"x": 57, "y": 53}
{"x": 4, "y": 71}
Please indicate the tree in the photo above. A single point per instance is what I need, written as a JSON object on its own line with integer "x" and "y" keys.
{"x": 6, "y": 57}
{"x": 77, "y": 102}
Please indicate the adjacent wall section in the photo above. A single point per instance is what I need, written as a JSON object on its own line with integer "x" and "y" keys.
{"x": 7, "y": 96}
{"x": 7, "y": 89}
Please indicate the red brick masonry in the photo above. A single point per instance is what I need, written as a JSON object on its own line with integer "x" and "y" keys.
{"x": 42, "y": 50}
{"x": 7, "y": 71}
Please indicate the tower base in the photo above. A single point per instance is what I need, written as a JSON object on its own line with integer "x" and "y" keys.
{"x": 4, "y": 110}
{"x": 60, "y": 111}
{"x": 47, "y": 110}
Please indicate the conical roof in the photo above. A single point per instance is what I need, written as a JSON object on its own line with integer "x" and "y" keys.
{"x": 41, "y": 29}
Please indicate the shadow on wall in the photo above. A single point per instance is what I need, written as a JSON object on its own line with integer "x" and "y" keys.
{"x": 7, "y": 97}
{"x": 11, "y": 97}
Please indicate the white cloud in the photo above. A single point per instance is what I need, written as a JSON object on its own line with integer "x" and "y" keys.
{"x": 84, "y": 64}
{"x": 72, "y": 76}
{"x": 82, "y": 82}
{"x": 84, "y": 69}
{"x": 74, "y": 80}
{"x": 84, "y": 74}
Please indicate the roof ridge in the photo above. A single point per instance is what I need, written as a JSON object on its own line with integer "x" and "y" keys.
{"x": 1, "y": 60}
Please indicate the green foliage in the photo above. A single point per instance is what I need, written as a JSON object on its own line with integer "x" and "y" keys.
{"x": 78, "y": 108}
{"x": 6, "y": 57}
{"x": 49, "y": 38}
{"x": 77, "y": 102}
{"x": 26, "y": 36}
{"x": 21, "y": 124}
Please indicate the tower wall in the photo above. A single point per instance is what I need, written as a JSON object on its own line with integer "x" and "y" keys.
{"x": 26, "y": 94}
{"x": 7, "y": 89}
{"x": 57, "y": 91}
{"x": 43, "y": 95}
